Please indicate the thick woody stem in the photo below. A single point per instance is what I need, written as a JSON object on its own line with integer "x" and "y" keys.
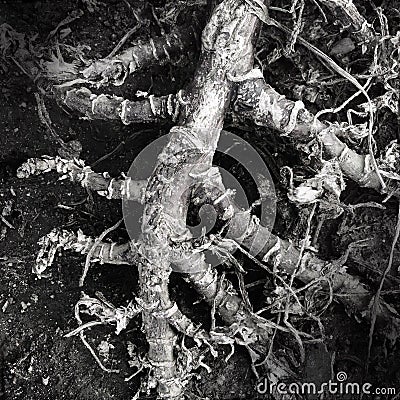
{"x": 205, "y": 280}
{"x": 227, "y": 47}
{"x": 109, "y": 107}
{"x": 106, "y": 107}
{"x": 281, "y": 254}
{"x": 284, "y": 256}
{"x": 259, "y": 101}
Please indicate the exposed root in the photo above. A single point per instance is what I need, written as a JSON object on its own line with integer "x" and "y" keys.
{"x": 77, "y": 172}
{"x": 108, "y": 107}
{"x": 104, "y": 252}
{"x": 350, "y": 18}
{"x": 259, "y": 101}
{"x": 142, "y": 55}
{"x": 225, "y": 75}
{"x": 106, "y": 313}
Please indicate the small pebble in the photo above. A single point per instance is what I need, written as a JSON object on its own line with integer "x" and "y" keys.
{"x": 343, "y": 47}
{"x": 34, "y": 298}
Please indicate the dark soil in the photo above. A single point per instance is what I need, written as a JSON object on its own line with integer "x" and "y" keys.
{"x": 36, "y": 361}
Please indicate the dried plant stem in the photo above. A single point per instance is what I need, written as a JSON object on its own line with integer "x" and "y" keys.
{"x": 90, "y": 253}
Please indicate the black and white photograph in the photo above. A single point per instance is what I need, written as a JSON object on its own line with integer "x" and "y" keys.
{"x": 199, "y": 199}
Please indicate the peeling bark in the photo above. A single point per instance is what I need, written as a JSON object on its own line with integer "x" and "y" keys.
{"x": 283, "y": 256}
{"x": 227, "y": 47}
{"x": 77, "y": 172}
{"x": 107, "y": 107}
{"x": 144, "y": 54}
{"x": 266, "y": 107}
{"x": 105, "y": 252}
{"x": 226, "y": 64}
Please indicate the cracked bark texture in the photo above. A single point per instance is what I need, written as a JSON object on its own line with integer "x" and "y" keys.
{"x": 227, "y": 46}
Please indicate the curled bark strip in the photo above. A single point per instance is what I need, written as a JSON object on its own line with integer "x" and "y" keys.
{"x": 260, "y": 102}
{"x": 77, "y": 172}
{"x": 142, "y": 55}
{"x": 109, "y": 107}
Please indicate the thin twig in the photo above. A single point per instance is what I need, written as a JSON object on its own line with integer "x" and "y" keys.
{"x": 44, "y": 118}
{"x": 117, "y": 148}
{"x": 295, "y": 271}
{"x": 134, "y": 374}
{"x": 97, "y": 359}
{"x": 375, "y": 305}
{"x": 346, "y": 75}
{"x": 92, "y": 250}
{"x": 82, "y": 328}
{"x": 123, "y": 40}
